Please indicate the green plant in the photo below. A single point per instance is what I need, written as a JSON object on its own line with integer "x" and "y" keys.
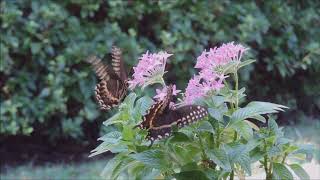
{"x": 46, "y": 88}
{"x": 225, "y": 144}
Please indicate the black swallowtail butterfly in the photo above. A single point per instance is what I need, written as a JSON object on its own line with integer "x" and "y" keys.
{"x": 160, "y": 117}
{"x": 113, "y": 84}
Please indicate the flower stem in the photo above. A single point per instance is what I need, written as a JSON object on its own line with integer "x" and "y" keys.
{"x": 163, "y": 83}
{"x": 265, "y": 164}
{"x": 232, "y": 175}
{"x": 204, "y": 155}
{"x": 236, "y": 79}
{"x": 284, "y": 158}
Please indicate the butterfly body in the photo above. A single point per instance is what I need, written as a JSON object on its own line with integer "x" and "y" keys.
{"x": 160, "y": 118}
{"x": 113, "y": 84}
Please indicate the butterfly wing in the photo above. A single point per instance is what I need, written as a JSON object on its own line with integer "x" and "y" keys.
{"x": 156, "y": 110}
{"x": 162, "y": 126}
{"x": 111, "y": 89}
{"x": 117, "y": 63}
{"x": 102, "y": 70}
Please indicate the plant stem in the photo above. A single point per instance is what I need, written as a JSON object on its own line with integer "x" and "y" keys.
{"x": 204, "y": 155}
{"x": 284, "y": 158}
{"x": 162, "y": 82}
{"x": 236, "y": 79}
{"x": 227, "y": 86}
{"x": 270, "y": 170}
{"x": 218, "y": 138}
{"x": 232, "y": 175}
{"x": 265, "y": 163}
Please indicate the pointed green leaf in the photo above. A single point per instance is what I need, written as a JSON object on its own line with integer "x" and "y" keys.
{"x": 281, "y": 172}
{"x": 243, "y": 129}
{"x": 256, "y": 108}
{"x": 299, "y": 171}
{"x": 245, "y": 63}
{"x": 191, "y": 175}
{"x": 220, "y": 157}
{"x": 153, "y": 158}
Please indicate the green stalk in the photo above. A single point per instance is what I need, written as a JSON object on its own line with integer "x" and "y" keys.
{"x": 204, "y": 155}
{"x": 218, "y": 138}
{"x": 162, "y": 82}
{"x": 232, "y": 175}
{"x": 265, "y": 163}
{"x": 270, "y": 170}
{"x": 284, "y": 158}
{"x": 236, "y": 105}
{"x": 227, "y": 86}
{"x": 236, "y": 79}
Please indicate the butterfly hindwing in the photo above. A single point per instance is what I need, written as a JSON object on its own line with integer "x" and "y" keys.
{"x": 181, "y": 116}
{"x": 160, "y": 118}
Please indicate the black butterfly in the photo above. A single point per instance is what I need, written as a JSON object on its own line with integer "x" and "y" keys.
{"x": 160, "y": 117}
{"x": 113, "y": 84}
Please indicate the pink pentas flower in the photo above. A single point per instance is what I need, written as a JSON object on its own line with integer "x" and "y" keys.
{"x": 149, "y": 70}
{"x": 219, "y": 56}
{"x": 161, "y": 94}
{"x": 200, "y": 85}
{"x": 210, "y": 78}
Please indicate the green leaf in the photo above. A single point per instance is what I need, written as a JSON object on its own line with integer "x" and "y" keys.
{"x": 179, "y": 137}
{"x": 112, "y": 164}
{"x": 35, "y": 48}
{"x": 153, "y": 158}
{"x": 239, "y": 153}
{"x": 205, "y": 126}
{"x": 281, "y": 172}
{"x": 272, "y": 125}
{"x": 190, "y": 166}
{"x": 259, "y": 118}
{"x": 299, "y": 171}
{"x": 111, "y": 137}
{"x": 218, "y": 100}
{"x": 217, "y": 113}
{"x": 243, "y": 129}
{"x": 143, "y": 104}
{"x": 256, "y": 155}
{"x": 274, "y": 151}
{"x": 113, "y": 120}
{"x": 129, "y": 100}
{"x": 140, "y": 171}
{"x": 124, "y": 164}
{"x": 127, "y": 133}
{"x": 245, "y": 63}
{"x": 245, "y": 162}
{"x": 220, "y": 157}
{"x": 195, "y": 174}
{"x": 256, "y": 108}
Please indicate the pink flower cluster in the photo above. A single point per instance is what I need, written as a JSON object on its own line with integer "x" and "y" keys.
{"x": 220, "y": 56}
{"x": 161, "y": 94}
{"x": 209, "y": 79}
{"x": 149, "y": 66}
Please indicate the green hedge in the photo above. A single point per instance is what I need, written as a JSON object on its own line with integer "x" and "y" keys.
{"x": 47, "y": 88}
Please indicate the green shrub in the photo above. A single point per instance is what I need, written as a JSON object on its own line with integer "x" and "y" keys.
{"x": 46, "y": 86}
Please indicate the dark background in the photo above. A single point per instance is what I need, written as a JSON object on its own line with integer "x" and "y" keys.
{"x": 47, "y": 104}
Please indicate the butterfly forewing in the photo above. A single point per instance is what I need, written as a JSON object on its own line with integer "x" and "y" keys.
{"x": 156, "y": 110}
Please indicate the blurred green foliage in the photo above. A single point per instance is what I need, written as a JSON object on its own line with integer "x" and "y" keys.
{"x": 47, "y": 88}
